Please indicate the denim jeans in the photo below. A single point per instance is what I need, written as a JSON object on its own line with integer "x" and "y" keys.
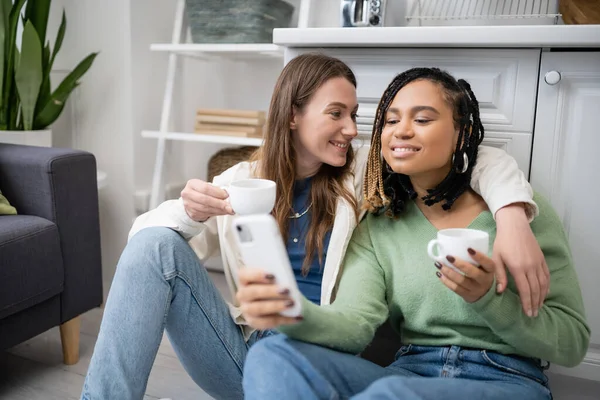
{"x": 281, "y": 368}
{"x": 159, "y": 283}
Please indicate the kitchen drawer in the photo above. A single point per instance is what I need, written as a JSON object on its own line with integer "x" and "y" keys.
{"x": 504, "y": 81}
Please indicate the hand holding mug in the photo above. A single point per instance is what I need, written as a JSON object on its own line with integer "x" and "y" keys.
{"x": 460, "y": 257}
{"x": 465, "y": 279}
{"x": 203, "y": 200}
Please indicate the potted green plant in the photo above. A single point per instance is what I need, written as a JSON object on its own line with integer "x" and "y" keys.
{"x": 28, "y": 106}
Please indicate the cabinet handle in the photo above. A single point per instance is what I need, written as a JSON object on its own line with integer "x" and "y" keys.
{"x": 552, "y": 77}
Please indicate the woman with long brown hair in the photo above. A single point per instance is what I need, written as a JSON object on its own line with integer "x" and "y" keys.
{"x": 160, "y": 280}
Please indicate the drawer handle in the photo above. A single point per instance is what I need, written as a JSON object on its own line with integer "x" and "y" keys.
{"x": 552, "y": 77}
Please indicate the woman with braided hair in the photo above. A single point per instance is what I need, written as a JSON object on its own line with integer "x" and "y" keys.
{"x": 461, "y": 339}
{"x": 161, "y": 284}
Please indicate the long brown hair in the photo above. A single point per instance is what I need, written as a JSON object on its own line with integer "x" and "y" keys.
{"x": 294, "y": 89}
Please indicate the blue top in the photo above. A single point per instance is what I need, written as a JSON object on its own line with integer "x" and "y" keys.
{"x": 309, "y": 285}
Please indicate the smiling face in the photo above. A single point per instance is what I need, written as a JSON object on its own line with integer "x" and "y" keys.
{"x": 419, "y": 135}
{"x": 323, "y": 129}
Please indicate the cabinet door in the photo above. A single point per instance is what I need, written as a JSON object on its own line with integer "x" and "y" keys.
{"x": 565, "y": 167}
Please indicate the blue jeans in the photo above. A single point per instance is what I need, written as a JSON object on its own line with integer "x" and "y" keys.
{"x": 281, "y": 368}
{"x": 159, "y": 283}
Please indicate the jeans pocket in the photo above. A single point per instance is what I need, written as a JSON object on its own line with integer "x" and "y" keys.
{"x": 402, "y": 351}
{"x": 516, "y": 366}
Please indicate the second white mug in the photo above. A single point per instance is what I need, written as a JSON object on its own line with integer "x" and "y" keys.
{"x": 455, "y": 242}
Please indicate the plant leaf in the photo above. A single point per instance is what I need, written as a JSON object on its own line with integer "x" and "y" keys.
{"x": 37, "y": 11}
{"x": 46, "y": 85}
{"x": 16, "y": 114}
{"x": 60, "y": 35}
{"x": 54, "y": 106}
{"x": 5, "y": 6}
{"x": 17, "y": 59}
{"x": 7, "y": 116}
{"x": 29, "y": 74}
{"x": 45, "y": 88}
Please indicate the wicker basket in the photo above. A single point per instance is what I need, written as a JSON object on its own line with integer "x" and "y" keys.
{"x": 227, "y": 158}
{"x": 237, "y": 21}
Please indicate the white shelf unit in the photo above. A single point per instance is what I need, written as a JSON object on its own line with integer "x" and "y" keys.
{"x": 242, "y": 51}
{"x": 177, "y": 49}
{"x": 203, "y": 138}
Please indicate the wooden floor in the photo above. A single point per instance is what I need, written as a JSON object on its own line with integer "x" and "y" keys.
{"x": 34, "y": 370}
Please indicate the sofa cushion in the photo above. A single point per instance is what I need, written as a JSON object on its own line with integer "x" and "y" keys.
{"x": 31, "y": 267}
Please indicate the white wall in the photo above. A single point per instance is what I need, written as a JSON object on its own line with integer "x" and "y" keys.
{"x": 102, "y": 120}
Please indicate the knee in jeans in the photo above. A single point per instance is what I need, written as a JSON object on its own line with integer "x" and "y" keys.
{"x": 149, "y": 238}
{"x": 155, "y": 243}
{"x": 265, "y": 359}
{"x": 265, "y": 350}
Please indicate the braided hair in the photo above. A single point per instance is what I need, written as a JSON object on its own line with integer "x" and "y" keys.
{"x": 386, "y": 191}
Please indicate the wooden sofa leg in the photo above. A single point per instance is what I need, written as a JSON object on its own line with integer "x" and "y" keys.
{"x": 69, "y": 336}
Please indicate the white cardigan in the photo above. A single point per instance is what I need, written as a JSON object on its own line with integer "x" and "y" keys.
{"x": 496, "y": 177}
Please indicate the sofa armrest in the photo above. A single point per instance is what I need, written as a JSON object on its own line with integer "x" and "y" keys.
{"x": 60, "y": 185}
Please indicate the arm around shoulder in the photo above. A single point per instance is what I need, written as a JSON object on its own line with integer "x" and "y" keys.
{"x": 498, "y": 179}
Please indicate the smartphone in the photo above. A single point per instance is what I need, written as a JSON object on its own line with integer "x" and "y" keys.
{"x": 261, "y": 246}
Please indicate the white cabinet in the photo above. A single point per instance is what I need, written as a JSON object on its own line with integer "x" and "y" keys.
{"x": 503, "y": 80}
{"x": 566, "y": 167}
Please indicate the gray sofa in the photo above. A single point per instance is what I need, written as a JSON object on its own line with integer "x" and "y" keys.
{"x": 50, "y": 266}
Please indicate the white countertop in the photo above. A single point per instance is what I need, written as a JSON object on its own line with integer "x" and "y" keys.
{"x": 443, "y": 36}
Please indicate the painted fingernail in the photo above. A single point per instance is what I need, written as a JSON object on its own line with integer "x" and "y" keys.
{"x": 438, "y": 274}
{"x": 284, "y": 291}
{"x": 499, "y": 287}
{"x": 451, "y": 259}
{"x": 471, "y": 251}
{"x": 289, "y": 303}
{"x": 299, "y": 318}
{"x": 270, "y": 277}
{"x": 438, "y": 265}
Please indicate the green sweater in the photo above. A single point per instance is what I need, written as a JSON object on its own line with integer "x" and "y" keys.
{"x": 387, "y": 272}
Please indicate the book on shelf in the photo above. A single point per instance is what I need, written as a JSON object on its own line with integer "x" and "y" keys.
{"x": 232, "y": 113}
{"x": 251, "y": 129}
{"x": 228, "y": 120}
{"x": 255, "y": 132}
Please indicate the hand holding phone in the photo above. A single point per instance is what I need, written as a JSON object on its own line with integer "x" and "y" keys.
{"x": 262, "y": 301}
{"x": 262, "y": 249}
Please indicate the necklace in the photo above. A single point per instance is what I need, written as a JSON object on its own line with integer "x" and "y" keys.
{"x": 299, "y": 215}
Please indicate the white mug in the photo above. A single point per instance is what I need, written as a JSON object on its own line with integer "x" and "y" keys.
{"x": 252, "y": 196}
{"x": 455, "y": 242}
